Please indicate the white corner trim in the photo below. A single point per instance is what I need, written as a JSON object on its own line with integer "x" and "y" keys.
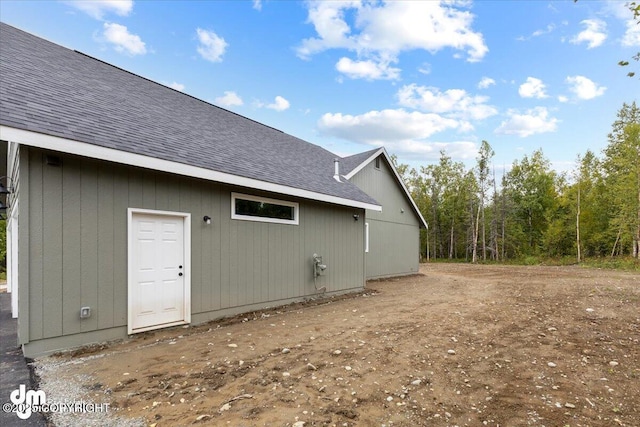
{"x": 366, "y": 237}
{"x": 55, "y": 143}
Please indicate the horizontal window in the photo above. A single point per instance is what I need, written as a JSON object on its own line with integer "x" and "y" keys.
{"x": 254, "y": 208}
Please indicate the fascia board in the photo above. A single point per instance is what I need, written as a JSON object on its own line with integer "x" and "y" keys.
{"x": 365, "y": 163}
{"x": 406, "y": 190}
{"x": 383, "y": 151}
{"x": 50, "y": 142}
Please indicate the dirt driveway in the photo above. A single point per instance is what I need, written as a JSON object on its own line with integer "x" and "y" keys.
{"x": 456, "y": 345}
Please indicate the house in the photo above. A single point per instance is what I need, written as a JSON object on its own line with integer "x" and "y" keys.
{"x": 392, "y": 236}
{"x": 133, "y": 206}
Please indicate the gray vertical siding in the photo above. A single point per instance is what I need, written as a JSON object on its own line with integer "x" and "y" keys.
{"x": 51, "y": 221}
{"x": 24, "y": 266}
{"x": 73, "y": 241}
{"x": 382, "y": 261}
{"x": 106, "y": 246}
{"x": 394, "y": 235}
{"x": 89, "y": 232}
{"x": 71, "y": 251}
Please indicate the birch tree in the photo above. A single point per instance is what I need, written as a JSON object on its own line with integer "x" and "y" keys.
{"x": 482, "y": 169}
{"x": 622, "y": 166}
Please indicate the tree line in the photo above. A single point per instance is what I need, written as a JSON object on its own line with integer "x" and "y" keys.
{"x": 592, "y": 211}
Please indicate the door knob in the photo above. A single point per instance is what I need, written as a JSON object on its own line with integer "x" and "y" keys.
{"x": 179, "y": 266}
{"x": 180, "y": 274}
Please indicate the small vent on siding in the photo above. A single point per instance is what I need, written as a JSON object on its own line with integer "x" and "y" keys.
{"x": 53, "y": 160}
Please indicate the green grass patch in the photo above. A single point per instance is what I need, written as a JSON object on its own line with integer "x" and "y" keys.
{"x": 625, "y": 263}
{"x": 615, "y": 263}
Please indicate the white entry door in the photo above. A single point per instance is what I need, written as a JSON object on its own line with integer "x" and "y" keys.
{"x": 159, "y": 286}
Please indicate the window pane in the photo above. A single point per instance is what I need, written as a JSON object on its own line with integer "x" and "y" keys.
{"x": 264, "y": 210}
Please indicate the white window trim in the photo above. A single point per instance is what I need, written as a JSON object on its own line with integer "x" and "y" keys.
{"x": 294, "y": 205}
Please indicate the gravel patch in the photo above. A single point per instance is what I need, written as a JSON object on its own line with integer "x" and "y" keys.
{"x": 65, "y": 389}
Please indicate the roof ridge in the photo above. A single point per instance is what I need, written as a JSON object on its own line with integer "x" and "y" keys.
{"x": 175, "y": 90}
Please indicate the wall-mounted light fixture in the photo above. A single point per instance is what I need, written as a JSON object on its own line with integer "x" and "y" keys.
{"x": 356, "y": 217}
{"x": 207, "y": 219}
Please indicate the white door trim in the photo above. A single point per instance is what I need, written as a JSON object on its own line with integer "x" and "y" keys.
{"x": 130, "y": 264}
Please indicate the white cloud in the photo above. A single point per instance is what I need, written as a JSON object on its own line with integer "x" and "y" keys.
{"x": 632, "y": 34}
{"x": 176, "y": 86}
{"x": 537, "y": 33}
{"x": 229, "y": 99}
{"x": 563, "y": 98}
{"x": 620, "y": 10}
{"x": 123, "y": 40}
{"x": 98, "y": 8}
{"x": 382, "y": 30}
{"x": 486, "y": 82}
{"x": 280, "y": 104}
{"x": 368, "y": 70}
{"x": 402, "y": 132}
{"x": 594, "y": 34}
{"x": 547, "y": 30}
{"x": 329, "y": 23}
{"x": 534, "y": 121}
{"x": 431, "y": 26}
{"x": 257, "y": 4}
{"x": 584, "y": 88}
{"x": 212, "y": 46}
{"x": 532, "y": 88}
{"x": 425, "y": 68}
{"x": 386, "y": 126}
{"x": 456, "y": 103}
{"x": 430, "y": 150}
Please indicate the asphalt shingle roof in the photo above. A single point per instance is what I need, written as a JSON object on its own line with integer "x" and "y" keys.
{"x": 49, "y": 89}
{"x": 349, "y": 163}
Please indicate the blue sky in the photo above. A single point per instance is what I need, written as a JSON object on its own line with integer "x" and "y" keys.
{"x": 416, "y": 76}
